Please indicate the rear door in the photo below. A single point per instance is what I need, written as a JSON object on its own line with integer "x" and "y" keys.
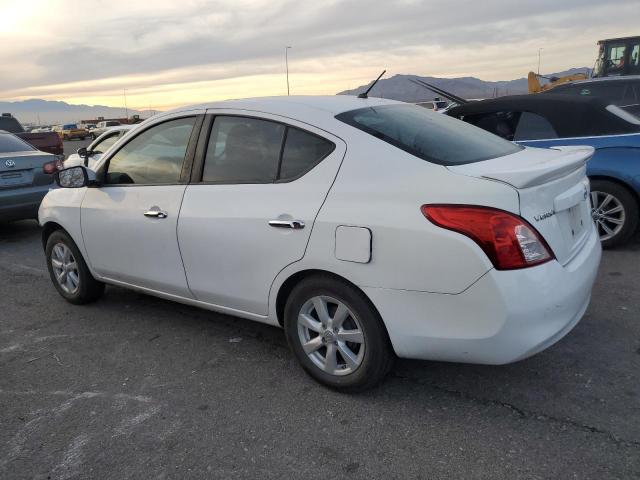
{"x": 251, "y": 209}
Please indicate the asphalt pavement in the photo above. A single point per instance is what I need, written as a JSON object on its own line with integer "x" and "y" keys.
{"x": 138, "y": 387}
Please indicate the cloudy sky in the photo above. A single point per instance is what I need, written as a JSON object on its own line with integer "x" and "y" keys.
{"x": 173, "y": 52}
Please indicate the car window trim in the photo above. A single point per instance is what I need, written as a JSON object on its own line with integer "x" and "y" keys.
{"x": 203, "y": 143}
{"x": 187, "y": 163}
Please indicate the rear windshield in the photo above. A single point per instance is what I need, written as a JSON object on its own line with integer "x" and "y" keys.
{"x": 9, "y": 143}
{"x": 430, "y": 136}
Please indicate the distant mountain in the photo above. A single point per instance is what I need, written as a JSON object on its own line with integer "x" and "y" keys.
{"x": 47, "y": 112}
{"x": 399, "y": 87}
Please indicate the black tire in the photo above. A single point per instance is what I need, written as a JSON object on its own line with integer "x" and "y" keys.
{"x": 631, "y": 212}
{"x": 378, "y": 354}
{"x": 88, "y": 289}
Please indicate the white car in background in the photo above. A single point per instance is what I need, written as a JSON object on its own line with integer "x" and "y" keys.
{"x": 366, "y": 228}
{"x": 90, "y": 155}
{"x": 102, "y": 127}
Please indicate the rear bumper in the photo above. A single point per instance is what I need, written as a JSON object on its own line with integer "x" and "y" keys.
{"x": 21, "y": 203}
{"x": 504, "y": 317}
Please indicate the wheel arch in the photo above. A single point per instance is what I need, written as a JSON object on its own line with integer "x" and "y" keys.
{"x": 619, "y": 182}
{"x": 48, "y": 228}
{"x": 295, "y": 278}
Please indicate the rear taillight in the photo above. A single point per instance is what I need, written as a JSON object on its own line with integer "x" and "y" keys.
{"x": 508, "y": 240}
{"x": 52, "y": 167}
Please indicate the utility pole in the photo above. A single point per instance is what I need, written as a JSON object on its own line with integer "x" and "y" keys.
{"x": 539, "y": 55}
{"x": 286, "y": 63}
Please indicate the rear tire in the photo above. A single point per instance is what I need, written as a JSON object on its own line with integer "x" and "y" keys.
{"x": 69, "y": 272}
{"x": 342, "y": 342}
{"x": 613, "y": 203}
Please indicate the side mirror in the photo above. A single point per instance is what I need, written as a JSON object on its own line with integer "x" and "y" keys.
{"x": 75, "y": 177}
{"x": 85, "y": 154}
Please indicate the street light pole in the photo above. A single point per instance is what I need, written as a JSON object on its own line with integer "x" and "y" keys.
{"x": 539, "y": 55}
{"x": 126, "y": 109}
{"x": 286, "y": 62}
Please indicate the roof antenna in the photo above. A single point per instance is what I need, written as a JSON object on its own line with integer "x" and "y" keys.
{"x": 365, "y": 94}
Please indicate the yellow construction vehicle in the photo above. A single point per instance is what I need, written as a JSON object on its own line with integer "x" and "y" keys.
{"x": 536, "y": 87}
{"x": 616, "y": 57}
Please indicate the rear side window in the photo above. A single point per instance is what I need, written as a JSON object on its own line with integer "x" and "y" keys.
{"x": 243, "y": 150}
{"x": 433, "y": 137}
{"x": 302, "y": 151}
{"x": 9, "y": 143}
{"x": 252, "y": 150}
{"x": 532, "y": 126}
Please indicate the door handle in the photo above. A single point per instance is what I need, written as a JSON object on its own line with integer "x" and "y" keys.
{"x": 293, "y": 224}
{"x": 155, "y": 212}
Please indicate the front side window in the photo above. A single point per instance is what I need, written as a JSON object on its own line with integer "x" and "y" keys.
{"x": 532, "y": 126}
{"x": 153, "y": 157}
{"x": 433, "y": 137}
{"x": 104, "y": 144}
{"x": 243, "y": 150}
{"x": 615, "y": 57}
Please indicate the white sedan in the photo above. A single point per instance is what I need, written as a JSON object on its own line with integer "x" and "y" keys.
{"x": 366, "y": 228}
{"x": 90, "y": 155}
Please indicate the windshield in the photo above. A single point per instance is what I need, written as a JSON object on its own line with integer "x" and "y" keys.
{"x": 430, "y": 136}
{"x": 9, "y": 143}
{"x": 70, "y": 126}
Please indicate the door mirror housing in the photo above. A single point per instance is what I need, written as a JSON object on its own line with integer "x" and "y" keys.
{"x": 75, "y": 177}
{"x": 85, "y": 154}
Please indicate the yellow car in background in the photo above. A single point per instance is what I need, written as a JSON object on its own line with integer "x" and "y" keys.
{"x": 70, "y": 131}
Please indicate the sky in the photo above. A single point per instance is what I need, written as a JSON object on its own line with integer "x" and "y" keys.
{"x": 168, "y": 53}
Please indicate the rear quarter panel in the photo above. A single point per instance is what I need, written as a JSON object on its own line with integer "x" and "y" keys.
{"x": 382, "y": 188}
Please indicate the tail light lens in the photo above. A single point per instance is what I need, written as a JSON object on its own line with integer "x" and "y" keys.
{"x": 52, "y": 167}
{"x": 508, "y": 240}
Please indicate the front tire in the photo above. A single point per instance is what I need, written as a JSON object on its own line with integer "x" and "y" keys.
{"x": 336, "y": 334}
{"x": 69, "y": 272}
{"x": 615, "y": 212}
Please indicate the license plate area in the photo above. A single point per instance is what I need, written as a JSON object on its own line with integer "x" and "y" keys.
{"x": 576, "y": 220}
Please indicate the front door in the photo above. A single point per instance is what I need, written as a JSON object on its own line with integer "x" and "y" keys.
{"x": 129, "y": 222}
{"x": 252, "y": 211}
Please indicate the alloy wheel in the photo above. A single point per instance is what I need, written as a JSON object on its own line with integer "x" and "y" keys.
{"x": 608, "y": 214}
{"x": 65, "y": 268}
{"x": 331, "y": 335}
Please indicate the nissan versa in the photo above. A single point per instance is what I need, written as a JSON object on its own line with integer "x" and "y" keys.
{"x": 367, "y": 228}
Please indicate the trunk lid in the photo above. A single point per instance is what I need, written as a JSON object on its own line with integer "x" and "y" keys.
{"x": 23, "y": 169}
{"x": 553, "y": 191}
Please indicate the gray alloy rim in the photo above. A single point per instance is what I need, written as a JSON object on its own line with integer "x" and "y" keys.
{"x": 331, "y": 335}
{"x": 608, "y": 214}
{"x": 65, "y": 268}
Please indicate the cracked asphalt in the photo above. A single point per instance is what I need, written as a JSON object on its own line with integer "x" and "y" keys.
{"x": 137, "y": 387}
